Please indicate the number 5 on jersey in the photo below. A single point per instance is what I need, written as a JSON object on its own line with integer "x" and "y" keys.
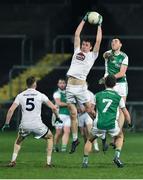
{"x": 30, "y": 104}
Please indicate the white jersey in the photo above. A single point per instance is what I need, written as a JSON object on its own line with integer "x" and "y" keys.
{"x": 81, "y": 64}
{"x": 31, "y": 101}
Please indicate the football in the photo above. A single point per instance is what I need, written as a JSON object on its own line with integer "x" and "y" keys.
{"x": 94, "y": 18}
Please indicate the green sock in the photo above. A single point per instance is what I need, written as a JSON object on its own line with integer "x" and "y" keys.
{"x": 64, "y": 148}
{"x": 56, "y": 146}
{"x": 117, "y": 153}
{"x": 85, "y": 159}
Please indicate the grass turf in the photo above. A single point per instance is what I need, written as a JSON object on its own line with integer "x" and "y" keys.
{"x": 32, "y": 158}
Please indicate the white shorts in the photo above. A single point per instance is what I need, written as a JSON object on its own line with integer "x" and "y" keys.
{"x": 100, "y": 133}
{"x": 38, "y": 130}
{"x": 121, "y": 89}
{"x": 66, "y": 121}
{"x": 84, "y": 119}
{"x": 77, "y": 93}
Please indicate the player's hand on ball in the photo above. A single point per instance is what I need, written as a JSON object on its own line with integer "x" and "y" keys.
{"x": 86, "y": 16}
{"x": 6, "y": 126}
{"x": 100, "y": 20}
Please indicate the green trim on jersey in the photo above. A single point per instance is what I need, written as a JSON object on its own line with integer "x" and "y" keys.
{"x": 114, "y": 63}
{"x": 63, "y": 109}
{"x": 107, "y": 105}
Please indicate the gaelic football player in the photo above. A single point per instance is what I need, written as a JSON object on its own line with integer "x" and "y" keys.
{"x": 82, "y": 61}
{"x": 31, "y": 101}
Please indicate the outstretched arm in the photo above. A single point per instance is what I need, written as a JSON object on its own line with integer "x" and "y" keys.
{"x": 9, "y": 115}
{"x": 55, "y": 110}
{"x": 77, "y": 34}
{"x": 10, "y": 112}
{"x": 98, "y": 39}
{"x": 78, "y": 31}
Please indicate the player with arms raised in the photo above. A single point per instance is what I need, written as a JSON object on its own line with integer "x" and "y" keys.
{"x": 82, "y": 61}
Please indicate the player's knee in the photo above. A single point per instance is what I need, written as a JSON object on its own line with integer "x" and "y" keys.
{"x": 19, "y": 140}
{"x": 73, "y": 115}
{"x": 58, "y": 132}
{"x": 49, "y": 135}
{"x": 67, "y": 131}
{"x": 91, "y": 138}
{"x": 120, "y": 135}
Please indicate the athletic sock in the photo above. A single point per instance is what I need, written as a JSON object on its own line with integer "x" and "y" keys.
{"x": 117, "y": 153}
{"x": 64, "y": 148}
{"x": 48, "y": 160}
{"x": 85, "y": 159}
{"x": 14, "y": 156}
{"x": 74, "y": 136}
{"x": 104, "y": 141}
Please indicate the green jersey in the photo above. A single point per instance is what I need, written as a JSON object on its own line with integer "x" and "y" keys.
{"x": 107, "y": 107}
{"x": 61, "y": 94}
{"x": 114, "y": 62}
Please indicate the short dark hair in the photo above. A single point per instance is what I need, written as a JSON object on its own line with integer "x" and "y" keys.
{"x": 61, "y": 79}
{"x": 110, "y": 81}
{"x": 87, "y": 40}
{"x": 30, "y": 81}
{"x": 115, "y": 37}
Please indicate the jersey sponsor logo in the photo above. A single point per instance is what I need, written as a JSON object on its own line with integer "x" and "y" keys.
{"x": 80, "y": 56}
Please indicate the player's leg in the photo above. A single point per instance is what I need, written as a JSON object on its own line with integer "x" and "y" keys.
{"x": 81, "y": 125}
{"x": 95, "y": 143}
{"x": 118, "y": 149}
{"x": 66, "y": 132}
{"x": 87, "y": 150}
{"x": 104, "y": 143}
{"x": 57, "y": 138}
{"x": 49, "y": 138}
{"x": 120, "y": 139}
{"x": 122, "y": 90}
{"x": 117, "y": 135}
{"x": 65, "y": 138}
{"x": 88, "y": 109}
{"x": 94, "y": 134}
{"x": 89, "y": 125}
{"x": 17, "y": 147}
{"x": 74, "y": 126}
{"x": 74, "y": 123}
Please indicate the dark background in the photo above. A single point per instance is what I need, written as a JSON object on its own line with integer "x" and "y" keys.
{"x": 40, "y": 21}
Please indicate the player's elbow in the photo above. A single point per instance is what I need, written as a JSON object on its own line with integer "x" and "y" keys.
{"x": 10, "y": 111}
{"x": 77, "y": 35}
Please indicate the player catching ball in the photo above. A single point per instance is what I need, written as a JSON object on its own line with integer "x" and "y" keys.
{"x": 82, "y": 61}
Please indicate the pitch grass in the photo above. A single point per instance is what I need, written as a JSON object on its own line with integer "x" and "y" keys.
{"x": 32, "y": 158}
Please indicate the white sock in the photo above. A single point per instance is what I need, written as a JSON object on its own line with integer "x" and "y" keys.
{"x": 48, "y": 160}
{"x": 96, "y": 146}
{"x": 14, "y": 156}
{"x": 74, "y": 136}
